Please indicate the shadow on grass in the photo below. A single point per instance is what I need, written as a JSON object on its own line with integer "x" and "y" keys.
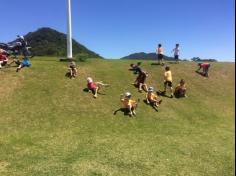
{"x": 163, "y": 94}
{"x": 202, "y": 74}
{"x": 157, "y": 64}
{"x": 154, "y": 107}
{"x": 87, "y": 90}
{"x": 124, "y": 110}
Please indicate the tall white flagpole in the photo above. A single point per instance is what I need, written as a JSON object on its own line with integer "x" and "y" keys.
{"x": 69, "y": 33}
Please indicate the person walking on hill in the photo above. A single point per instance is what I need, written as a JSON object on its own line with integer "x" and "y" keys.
{"x": 176, "y": 53}
{"x": 160, "y": 56}
{"x": 168, "y": 80}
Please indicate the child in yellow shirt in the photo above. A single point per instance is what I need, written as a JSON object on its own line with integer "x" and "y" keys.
{"x": 152, "y": 99}
{"x": 168, "y": 80}
{"x": 128, "y": 104}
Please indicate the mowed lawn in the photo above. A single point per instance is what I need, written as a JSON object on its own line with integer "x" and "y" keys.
{"x": 50, "y": 126}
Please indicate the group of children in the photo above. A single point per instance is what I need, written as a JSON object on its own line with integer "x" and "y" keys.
{"x": 152, "y": 98}
{"x": 129, "y": 104}
{"x": 19, "y": 63}
{"x": 160, "y": 55}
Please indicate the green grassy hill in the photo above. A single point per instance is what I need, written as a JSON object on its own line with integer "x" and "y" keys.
{"x": 50, "y": 126}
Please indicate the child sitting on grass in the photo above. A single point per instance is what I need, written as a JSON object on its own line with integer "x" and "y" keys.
{"x": 180, "y": 90}
{"x": 128, "y": 104}
{"x": 94, "y": 87}
{"x": 24, "y": 63}
{"x": 72, "y": 70}
{"x": 152, "y": 99}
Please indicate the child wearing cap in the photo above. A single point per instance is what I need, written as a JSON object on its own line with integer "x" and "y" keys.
{"x": 152, "y": 99}
{"x": 128, "y": 104}
{"x": 94, "y": 87}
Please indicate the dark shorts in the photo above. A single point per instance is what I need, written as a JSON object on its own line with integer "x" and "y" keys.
{"x": 168, "y": 83}
{"x": 176, "y": 57}
{"x": 93, "y": 91}
{"x": 160, "y": 56}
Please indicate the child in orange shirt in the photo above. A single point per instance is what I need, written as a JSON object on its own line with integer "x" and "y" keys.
{"x": 151, "y": 98}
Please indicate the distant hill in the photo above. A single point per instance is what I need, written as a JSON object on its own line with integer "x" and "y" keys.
{"x": 146, "y": 56}
{"x": 198, "y": 59}
{"x": 49, "y": 42}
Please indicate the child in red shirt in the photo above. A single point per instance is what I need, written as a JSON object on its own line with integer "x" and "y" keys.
{"x": 205, "y": 67}
{"x": 3, "y": 58}
{"x": 94, "y": 87}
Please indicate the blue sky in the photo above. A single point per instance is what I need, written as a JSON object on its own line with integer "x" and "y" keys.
{"x": 116, "y": 28}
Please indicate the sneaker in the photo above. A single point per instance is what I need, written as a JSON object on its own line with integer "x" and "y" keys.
{"x": 95, "y": 96}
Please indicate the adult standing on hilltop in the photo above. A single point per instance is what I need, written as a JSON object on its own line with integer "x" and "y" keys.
{"x": 159, "y": 52}
{"x": 176, "y": 53}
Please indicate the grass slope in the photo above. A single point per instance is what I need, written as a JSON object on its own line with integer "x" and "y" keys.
{"x": 49, "y": 126}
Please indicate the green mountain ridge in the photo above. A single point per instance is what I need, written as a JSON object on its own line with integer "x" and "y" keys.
{"x": 146, "y": 56}
{"x": 49, "y": 42}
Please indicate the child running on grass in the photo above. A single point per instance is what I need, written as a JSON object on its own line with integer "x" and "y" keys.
{"x": 128, "y": 104}
{"x": 152, "y": 99}
{"x": 180, "y": 90}
{"x": 160, "y": 56}
{"x": 140, "y": 81}
{"x": 94, "y": 87}
{"x": 168, "y": 80}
